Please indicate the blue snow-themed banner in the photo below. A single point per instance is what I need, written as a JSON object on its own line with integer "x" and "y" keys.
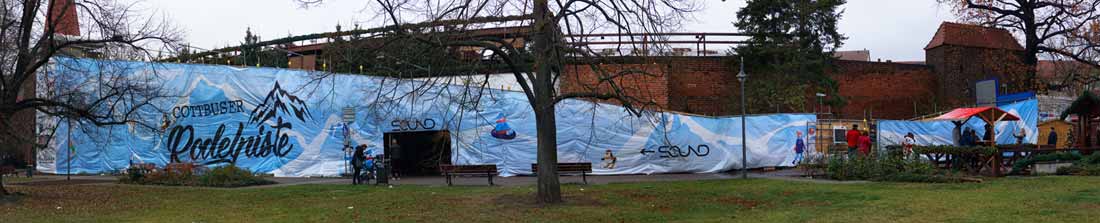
{"x": 891, "y": 132}
{"x": 290, "y": 123}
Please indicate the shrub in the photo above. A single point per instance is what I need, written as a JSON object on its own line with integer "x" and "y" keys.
{"x": 135, "y": 174}
{"x": 886, "y": 169}
{"x": 956, "y": 150}
{"x": 1022, "y": 164}
{"x": 169, "y": 178}
{"x": 1080, "y": 170}
{"x": 1068, "y": 170}
{"x": 1085, "y": 166}
{"x": 1093, "y": 159}
{"x": 224, "y": 176}
{"x": 231, "y": 176}
{"x": 894, "y": 151}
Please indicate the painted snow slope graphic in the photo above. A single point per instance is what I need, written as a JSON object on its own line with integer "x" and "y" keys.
{"x": 295, "y": 126}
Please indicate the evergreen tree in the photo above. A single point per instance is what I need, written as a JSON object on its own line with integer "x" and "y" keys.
{"x": 790, "y": 48}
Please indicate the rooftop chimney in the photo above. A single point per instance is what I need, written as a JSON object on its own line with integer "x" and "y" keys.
{"x": 63, "y": 18}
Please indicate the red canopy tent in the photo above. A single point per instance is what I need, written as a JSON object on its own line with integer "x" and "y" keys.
{"x": 989, "y": 114}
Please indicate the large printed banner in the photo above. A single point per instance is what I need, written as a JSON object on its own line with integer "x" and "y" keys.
{"x": 892, "y": 132}
{"x": 290, "y": 123}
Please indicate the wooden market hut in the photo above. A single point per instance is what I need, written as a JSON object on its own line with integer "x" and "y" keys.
{"x": 1061, "y": 128}
{"x": 1087, "y": 109}
{"x": 991, "y": 115}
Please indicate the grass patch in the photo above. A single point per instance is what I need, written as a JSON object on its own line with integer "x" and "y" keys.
{"x": 1032, "y": 199}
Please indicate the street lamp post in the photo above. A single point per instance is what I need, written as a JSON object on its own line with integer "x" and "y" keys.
{"x": 820, "y": 103}
{"x": 744, "y": 147}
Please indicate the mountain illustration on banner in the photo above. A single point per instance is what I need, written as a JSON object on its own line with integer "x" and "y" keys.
{"x": 278, "y": 100}
{"x": 502, "y": 130}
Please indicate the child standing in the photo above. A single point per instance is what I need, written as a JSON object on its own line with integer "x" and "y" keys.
{"x": 799, "y": 148}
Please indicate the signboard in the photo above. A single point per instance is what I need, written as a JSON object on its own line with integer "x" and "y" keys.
{"x": 985, "y": 92}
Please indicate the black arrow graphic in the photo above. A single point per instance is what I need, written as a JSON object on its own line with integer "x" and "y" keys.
{"x": 645, "y": 151}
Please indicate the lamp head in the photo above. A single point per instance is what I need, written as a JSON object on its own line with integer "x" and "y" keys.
{"x": 741, "y": 76}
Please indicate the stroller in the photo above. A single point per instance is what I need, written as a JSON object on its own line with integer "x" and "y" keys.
{"x": 371, "y": 169}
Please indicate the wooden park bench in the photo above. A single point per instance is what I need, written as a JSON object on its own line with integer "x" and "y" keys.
{"x": 582, "y": 168}
{"x": 450, "y": 171}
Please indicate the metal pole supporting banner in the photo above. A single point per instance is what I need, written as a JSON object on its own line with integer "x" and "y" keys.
{"x": 744, "y": 146}
{"x": 69, "y": 155}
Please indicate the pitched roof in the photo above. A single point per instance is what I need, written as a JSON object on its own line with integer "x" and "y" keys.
{"x": 856, "y": 55}
{"x": 956, "y": 34}
{"x": 1051, "y": 69}
{"x": 1084, "y": 105}
{"x": 985, "y": 113}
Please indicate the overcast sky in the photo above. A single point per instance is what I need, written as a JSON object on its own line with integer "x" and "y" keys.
{"x": 890, "y": 29}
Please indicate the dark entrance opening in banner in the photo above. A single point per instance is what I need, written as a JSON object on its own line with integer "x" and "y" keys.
{"x": 418, "y": 153}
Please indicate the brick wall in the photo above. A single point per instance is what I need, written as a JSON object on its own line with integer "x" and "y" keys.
{"x": 645, "y": 82}
{"x": 702, "y": 85}
{"x": 958, "y": 68}
{"x": 884, "y": 90}
{"x": 708, "y": 86}
{"x": 699, "y": 85}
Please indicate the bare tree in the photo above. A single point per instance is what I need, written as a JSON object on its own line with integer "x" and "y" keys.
{"x": 554, "y": 28}
{"x": 1061, "y": 28}
{"x": 34, "y": 33}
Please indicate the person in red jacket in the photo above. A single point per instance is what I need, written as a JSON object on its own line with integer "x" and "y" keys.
{"x": 865, "y": 144}
{"x": 853, "y": 140}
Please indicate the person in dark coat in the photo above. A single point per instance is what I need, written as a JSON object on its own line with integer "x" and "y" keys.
{"x": 357, "y": 159}
{"x": 395, "y": 158}
{"x": 965, "y": 139}
{"x": 974, "y": 137}
{"x": 1052, "y": 138}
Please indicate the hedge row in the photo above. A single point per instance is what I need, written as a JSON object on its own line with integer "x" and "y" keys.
{"x": 956, "y": 150}
{"x": 1020, "y": 165}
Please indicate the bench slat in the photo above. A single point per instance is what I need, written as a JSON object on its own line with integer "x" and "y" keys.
{"x": 568, "y": 167}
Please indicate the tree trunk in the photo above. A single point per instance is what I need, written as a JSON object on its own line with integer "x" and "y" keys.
{"x": 549, "y": 186}
{"x": 1031, "y": 48}
{"x": 543, "y": 102}
{"x": 7, "y": 135}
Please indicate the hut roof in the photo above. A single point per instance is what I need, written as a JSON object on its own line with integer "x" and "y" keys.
{"x": 1087, "y": 103}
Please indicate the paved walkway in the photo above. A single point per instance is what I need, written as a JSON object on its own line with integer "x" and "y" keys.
{"x": 785, "y": 174}
{"x": 531, "y": 180}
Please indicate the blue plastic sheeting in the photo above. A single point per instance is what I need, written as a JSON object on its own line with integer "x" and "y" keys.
{"x": 287, "y": 123}
{"x": 891, "y": 132}
{"x": 1003, "y": 100}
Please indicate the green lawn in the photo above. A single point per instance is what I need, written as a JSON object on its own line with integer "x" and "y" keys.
{"x": 1044, "y": 199}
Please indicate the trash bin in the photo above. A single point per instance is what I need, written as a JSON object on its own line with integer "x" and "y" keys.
{"x": 382, "y": 172}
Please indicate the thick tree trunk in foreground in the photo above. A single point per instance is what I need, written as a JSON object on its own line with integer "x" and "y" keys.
{"x": 549, "y": 186}
{"x": 543, "y": 103}
{"x": 8, "y": 147}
